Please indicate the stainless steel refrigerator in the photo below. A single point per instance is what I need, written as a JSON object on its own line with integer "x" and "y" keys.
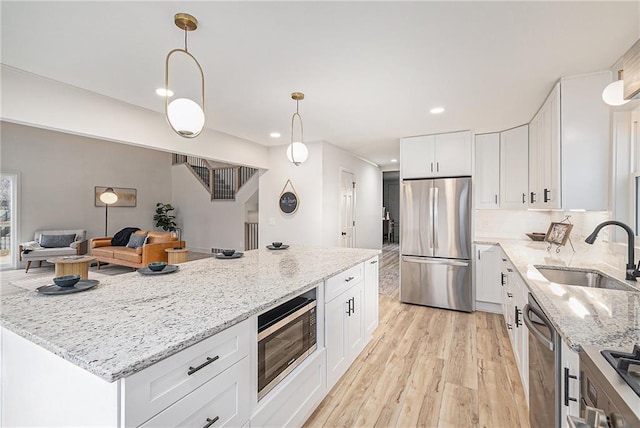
{"x": 435, "y": 243}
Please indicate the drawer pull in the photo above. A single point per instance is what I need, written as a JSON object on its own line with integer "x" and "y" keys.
{"x": 374, "y": 262}
{"x": 349, "y": 279}
{"x": 509, "y": 294}
{"x": 211, "y": 421}
{"x": 206, "y": 363}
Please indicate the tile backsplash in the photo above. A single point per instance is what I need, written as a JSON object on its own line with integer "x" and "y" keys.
{"x": 514, "y": 224}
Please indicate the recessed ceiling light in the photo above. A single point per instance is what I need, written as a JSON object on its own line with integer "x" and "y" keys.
{"x": 437, "y": 110}
{"x": 394, "y": 160}
{"x": 275, "y": 135}
{"x": 164, "y": 92}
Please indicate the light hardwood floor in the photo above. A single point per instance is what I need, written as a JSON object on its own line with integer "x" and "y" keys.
{"x": 432, "y": 368}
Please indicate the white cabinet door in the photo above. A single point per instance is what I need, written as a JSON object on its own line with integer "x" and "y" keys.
{"x": 371, "y": 296}
{"x": 453, "y": 154}
{"x": 514, "y": 168}
{"x": 487, "y": 174}
{"x": 336, "y": 331}
{"x": 544, "y": 156}
{"x": 417, "y": 156}
{"x": 585, "y": 142}
{"x": 355, "y": 322}
{"x": 488, "y": 288}
{"x": 569, "y": 376}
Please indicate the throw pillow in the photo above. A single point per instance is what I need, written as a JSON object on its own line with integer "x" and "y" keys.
{"x": 57, "y": 241}
{"x": 121, "y": 238}
{"x": 136, "y": 240}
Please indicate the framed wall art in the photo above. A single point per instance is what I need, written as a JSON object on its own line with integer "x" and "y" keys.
{"x": 558, "y": 233}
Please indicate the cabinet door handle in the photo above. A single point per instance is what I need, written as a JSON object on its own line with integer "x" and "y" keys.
{"x": 496, "y": 199}
{"x": 348, "y": 302}
{"x": 437, "y": 166}
{"x": 478, "y": 254}
{"x": 353, "y": 305}
{"x": 374, "y": 262}
{"x": 524, "y": 198}
{"x": 509, "y": 326}
{"x": 431, "y": 166}
{"x": 503, "y": 279}
{"x": 518, "y": 312}
{"x": 210, "y": 360}
{"x": 349, "y": 279}
{"x": 211, "y": 421}
{"x": 533, "y": 197}
{"x": 509, "y": 270}
{"x": 567, "y": 376}
{"x": 547, "y": 192}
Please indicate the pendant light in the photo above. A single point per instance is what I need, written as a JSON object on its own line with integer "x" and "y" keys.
{"x": 185, "y": 116}
{"x": 297, "y": 152}
{"x": 613, "y": 93}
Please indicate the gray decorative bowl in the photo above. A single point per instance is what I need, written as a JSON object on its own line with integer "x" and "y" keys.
{"x": 277, "y": 244}
{"x": 157, "y": 266}
{"x": 66, "y": 280}
{"x": 228, "y": 253}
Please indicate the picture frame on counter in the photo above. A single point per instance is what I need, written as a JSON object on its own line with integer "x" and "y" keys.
{"x": 558, "y": 233}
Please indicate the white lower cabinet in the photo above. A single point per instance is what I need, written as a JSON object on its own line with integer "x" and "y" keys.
{"x": 569, "y": 384}
{"x": 223, "y": 401}
{"x": 370, "y": 296}
{"x": 487, "y": 278}
{"x": 344, "y": 329}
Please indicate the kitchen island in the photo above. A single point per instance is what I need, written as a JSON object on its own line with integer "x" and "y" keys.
{"x": 132, "y": 322}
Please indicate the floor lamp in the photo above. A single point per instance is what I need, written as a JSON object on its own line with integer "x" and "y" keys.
{"x": 108, "y": 197}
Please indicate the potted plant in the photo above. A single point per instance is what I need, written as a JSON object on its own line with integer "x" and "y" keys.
{"x": 164, "y": 220}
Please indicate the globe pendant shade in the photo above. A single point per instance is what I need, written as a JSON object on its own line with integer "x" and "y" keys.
{"x": 186, "y": 117}
{"x": 613, "y": 94}
{"x": 297, "y": 153}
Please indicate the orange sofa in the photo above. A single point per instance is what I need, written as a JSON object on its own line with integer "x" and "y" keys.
{"x": 152, "y": 251}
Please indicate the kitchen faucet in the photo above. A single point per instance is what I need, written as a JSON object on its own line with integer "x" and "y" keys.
{"x": 631, "y": 271}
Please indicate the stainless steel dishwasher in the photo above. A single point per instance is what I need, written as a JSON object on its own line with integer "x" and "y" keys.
{"x": 544, "y": 363}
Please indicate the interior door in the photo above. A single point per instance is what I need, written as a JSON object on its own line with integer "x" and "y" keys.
{"x": 347, "y": 209}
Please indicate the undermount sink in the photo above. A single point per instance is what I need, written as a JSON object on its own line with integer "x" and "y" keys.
{"x": 582, "y": 278}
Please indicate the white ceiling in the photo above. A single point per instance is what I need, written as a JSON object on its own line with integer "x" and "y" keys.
{"x": 370, "y": 70}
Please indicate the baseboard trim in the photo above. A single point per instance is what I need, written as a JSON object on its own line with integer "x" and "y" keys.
{"x": 495, "y": 308}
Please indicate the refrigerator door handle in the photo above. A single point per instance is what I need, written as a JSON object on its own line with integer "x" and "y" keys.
{"x": 427, "y": 261}
{"x": 431, "y": 240}
{"x": 434, "y": 202}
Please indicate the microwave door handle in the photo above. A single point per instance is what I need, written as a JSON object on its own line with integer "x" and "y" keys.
{"x": 534, "y": 330}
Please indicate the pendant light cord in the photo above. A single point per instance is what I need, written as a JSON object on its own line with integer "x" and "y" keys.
{"x": 185, "y": 39}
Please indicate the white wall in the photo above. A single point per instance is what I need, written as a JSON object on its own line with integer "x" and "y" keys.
{"x": 368, "y": 198}
{"x": 58, "y": 173}
{"x": 317, "y": 183}
{"x": 36, "y": 101}
{"x": 208, "y": 224}
{"x": 305, "y": 225}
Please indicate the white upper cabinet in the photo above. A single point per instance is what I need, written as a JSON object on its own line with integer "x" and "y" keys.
{"x": 487, "y": 174}
{"x": 569, "y": 146}
{"x": 544, "y": 155}
{"x": 514, "y": 168}
{"x": 585, "y": 142}
{"x": 441, "y": 155}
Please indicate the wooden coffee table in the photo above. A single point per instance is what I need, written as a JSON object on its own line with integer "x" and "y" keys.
{"x": 175, "y": 255}
{"x": 72, "y": 265}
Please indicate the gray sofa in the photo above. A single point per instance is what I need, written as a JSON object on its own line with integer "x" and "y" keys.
{"x": 43, "y": 245}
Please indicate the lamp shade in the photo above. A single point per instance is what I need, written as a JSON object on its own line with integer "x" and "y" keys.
{"x": 613, "y": 94}
{"x": 109, "y": 196}
{"x": 297, "y": 153}
{"x": 186, "y": 117}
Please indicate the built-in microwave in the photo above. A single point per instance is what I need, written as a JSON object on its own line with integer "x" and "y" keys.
{"x": 286, "y": 336}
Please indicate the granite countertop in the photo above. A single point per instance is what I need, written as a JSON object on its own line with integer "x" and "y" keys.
{"x": 581, "y": 315}
{"x": 130, "y": 321}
